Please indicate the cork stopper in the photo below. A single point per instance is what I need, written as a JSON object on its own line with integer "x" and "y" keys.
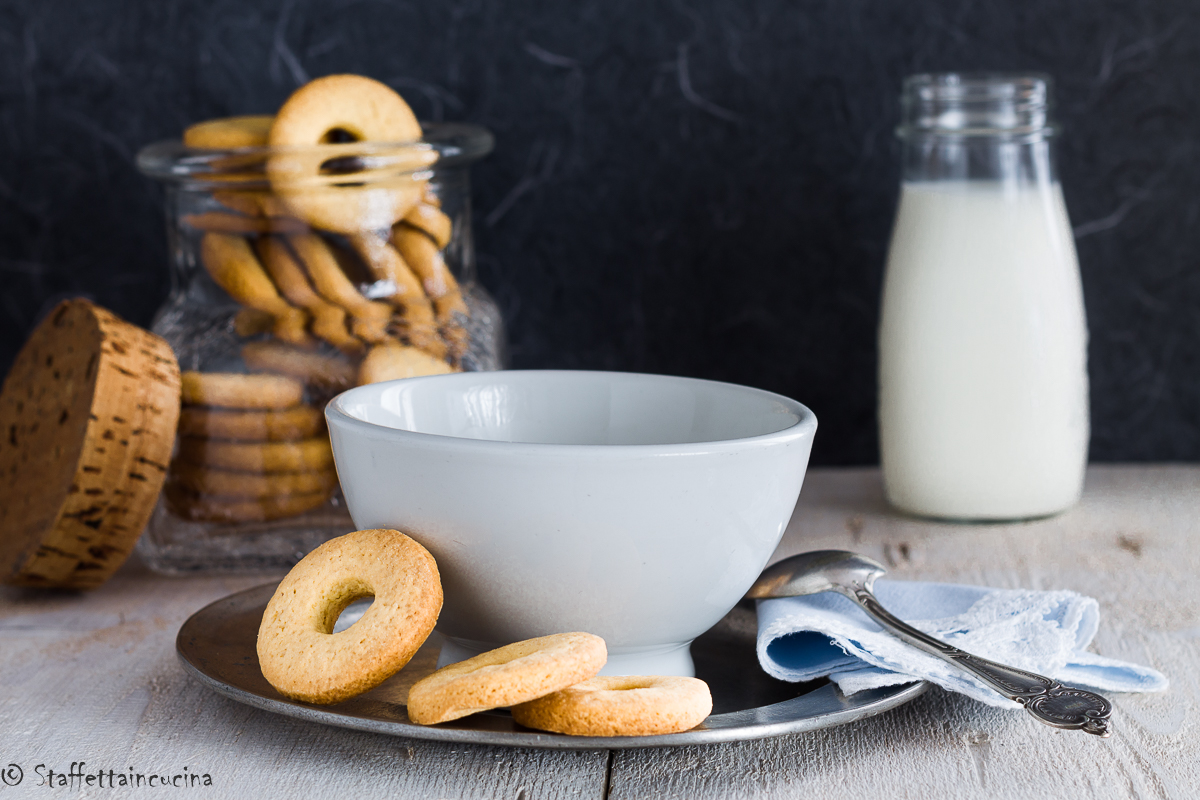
{"x": 87, "y": 422}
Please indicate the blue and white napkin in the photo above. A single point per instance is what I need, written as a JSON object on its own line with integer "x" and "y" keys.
{"x": 804, "y": 638}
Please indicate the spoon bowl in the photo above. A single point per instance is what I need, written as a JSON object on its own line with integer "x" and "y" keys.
{"x": 814, "y": 572}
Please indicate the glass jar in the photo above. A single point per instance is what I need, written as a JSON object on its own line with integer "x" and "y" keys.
{"x": 297, "y": 273}
{"x": 983, "y": 388}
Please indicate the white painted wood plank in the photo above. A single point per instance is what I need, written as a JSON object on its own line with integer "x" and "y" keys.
{"x": 1134, "y": 543}
{"x": 93, "y": 677}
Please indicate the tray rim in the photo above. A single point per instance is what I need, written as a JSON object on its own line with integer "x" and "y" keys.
{"x": 761, "y": 722}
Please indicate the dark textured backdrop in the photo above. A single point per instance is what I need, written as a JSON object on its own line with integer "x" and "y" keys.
{"x": 701, "y": 189}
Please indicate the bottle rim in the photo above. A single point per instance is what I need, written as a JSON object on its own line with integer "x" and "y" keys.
{"x": 975, "y": 104}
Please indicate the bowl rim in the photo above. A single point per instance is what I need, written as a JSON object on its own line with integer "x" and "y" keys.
{"x": 804, "y": 426}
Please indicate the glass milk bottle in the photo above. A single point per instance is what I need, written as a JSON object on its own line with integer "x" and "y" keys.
{"x": 983, "y": 389}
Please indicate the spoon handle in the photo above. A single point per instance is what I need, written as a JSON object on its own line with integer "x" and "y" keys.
{"x": 1047, "y": 700}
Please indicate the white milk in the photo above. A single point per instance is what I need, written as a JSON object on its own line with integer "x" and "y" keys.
{"x": 983, "y": 391}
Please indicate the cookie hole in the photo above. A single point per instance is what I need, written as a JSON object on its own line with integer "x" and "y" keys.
{"x": 344, "y": 165}
{"x": 352, "y": 613}
{"x": 338, "y": 136}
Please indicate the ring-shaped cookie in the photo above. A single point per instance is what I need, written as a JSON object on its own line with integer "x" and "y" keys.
{"x": 319, "y": 371}
{"x": 515, "y": 673}
{"x": 227, "y": 483}
{"x": 431, "y": 221}
{"x": 328, "y": 319}
{"x": 423, "y": 257}
{"x": 299, "y": 422}
{"x": 229, "y": 510}
{"x": 255, "y": 203}
{"x": 416, "y": 319}
{"x": 626, "y": 705}
{"x": 236, "y": 390}
{"x": 223, "y": 222}
{"x": 370, "y": 317}
{"x": 364, "y": 110}
{"x": 391, "y": 361}
{"x": 249, "y": 322}
{"x": 228, "y": 133}
{"x": 421, "y": 254}
{"x": 301, "y": 456}
{"x": 233, "y": 266}
{"x": 297, "y": 650}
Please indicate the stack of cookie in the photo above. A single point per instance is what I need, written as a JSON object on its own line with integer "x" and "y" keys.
{"x": 334, "y": 234}
{"x": 249, "y": 450}
{"x": 323, "y": 227}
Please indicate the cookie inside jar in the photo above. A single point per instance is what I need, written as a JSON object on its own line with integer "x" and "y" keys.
{"x": 319, "y": 248}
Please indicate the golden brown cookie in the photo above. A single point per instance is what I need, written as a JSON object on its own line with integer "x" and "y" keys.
{"x": 227, "y": 483}
{"x": 425, "y": 259}
{"x": 431, "y": 221}
{"x": 370, "y": 317}
{"x": 336, "y": 111}
{"x": 324, "y": 373}
{"x": 245, "y": 203}
{"x": 297, "y": 650}
{"x": 222, "y": 222}
{"x": 391, "y": 361}
{"x": 230, "y": 510}
{"x": 235, "y": 390}
{"x": 228, "y": 133}
{"x": 301, "y": 456}
{"x": 328, "y": 320}
{"x": 506, "y": 676}
{"x": 646, "y": 705}
{"x": 237, "y": 167}
{"x": 299, "y": 422}
{"x": 256, "y": 203}
{"x": 423, "y": 256}
{"x": 363, "y": 108}
{"x": 417, "y": 320}
{"x": 87, "y": 415}
{"x": 249, "y": 322}
{"x": 236, "y": 269}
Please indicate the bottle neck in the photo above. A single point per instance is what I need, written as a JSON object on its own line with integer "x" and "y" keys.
{"x": 979, "y": 158}
{"x": 985, "y": 127}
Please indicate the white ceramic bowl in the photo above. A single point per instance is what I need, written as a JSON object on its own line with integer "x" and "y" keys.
{"x": 636, "y": 507}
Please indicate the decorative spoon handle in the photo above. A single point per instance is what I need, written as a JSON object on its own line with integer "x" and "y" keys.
{"x": 1047, "y": 700}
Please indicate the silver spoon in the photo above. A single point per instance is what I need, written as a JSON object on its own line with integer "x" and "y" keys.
{"x": 853, "y": 576}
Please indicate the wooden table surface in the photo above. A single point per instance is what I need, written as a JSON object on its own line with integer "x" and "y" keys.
{"x": 94, "y": 678}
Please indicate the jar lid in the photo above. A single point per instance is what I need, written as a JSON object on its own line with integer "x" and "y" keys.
{"x": 455, "y": 144}
{"x": 88, "y": 413}
{"x": 976, "y": 104}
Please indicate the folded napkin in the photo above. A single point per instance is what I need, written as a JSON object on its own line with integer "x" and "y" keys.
{"x": 804, "y": 638}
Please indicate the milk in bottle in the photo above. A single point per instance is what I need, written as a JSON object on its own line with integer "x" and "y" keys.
{"x": 983, "y": 393}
